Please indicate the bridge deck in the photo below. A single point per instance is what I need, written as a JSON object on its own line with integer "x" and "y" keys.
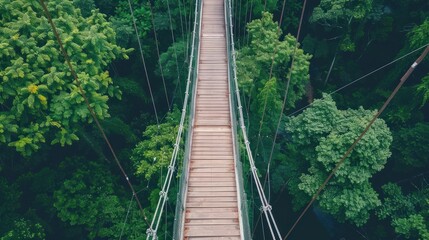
{"x": 211, "y": 202}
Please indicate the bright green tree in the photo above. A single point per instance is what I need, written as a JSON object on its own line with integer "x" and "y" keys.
{"x": 320, "y": 136}
{"x": 37, "y": 91}
{"x": 266, "y": 91}
{"x": 154, "y": 152}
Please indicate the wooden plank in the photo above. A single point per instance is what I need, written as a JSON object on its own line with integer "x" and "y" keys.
{"x": 211, "y": 204}
{"x": 211, "y": 215}
{"x": 218, "y": 179}
{"x": 212, "y": 210}
{"x": 212, "y": 194}
{"x": 212, "y": 199}
{"x": 211, "y": 189}
{"x": 213, "y": 231}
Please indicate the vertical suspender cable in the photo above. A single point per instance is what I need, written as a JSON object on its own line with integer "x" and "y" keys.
{"x": 179, "y": 85}
{"x": 159, "y": 56}
{"x": 143, "y": 60}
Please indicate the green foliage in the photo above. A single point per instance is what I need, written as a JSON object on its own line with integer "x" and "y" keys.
{"x": 419, "y": 35}
{"x": 9, "y": 203}
{"x": 23, "y": 230}
{"x": 423, "y": 88}
{"x": 410, "y": 147}
{"x": 175, "y": 55}
{"x": 254, "y": 61}
{"x": 322, "y": 133}
{"x": 89, "y": 199}
{"x": 414, "y": 226}
{"x": 335, "y": 11}
{"x": 122, "y": 21}
{"x": 266, "y": 90}
{"x": 36, "y": 86}
{"x": 85, "y": 6}
{"x": 408, "y": 213}
{"x": 154, "y": 152}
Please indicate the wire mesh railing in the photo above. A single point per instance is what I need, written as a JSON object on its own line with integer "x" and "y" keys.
{"x": 242, "y": 197}
{"x": 266, "y": 207}
{"x": 192, "y": 78}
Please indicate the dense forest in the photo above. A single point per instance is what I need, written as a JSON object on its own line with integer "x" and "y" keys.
{"x": 306, "y": 98}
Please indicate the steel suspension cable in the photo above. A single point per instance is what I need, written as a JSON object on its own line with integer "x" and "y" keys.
{"x": 284, "y": 100}
{"x": 126, "y": 217}
{"x": 143, "y": 61}
{"x": 159, "y": 55}
{"x": 179, "y": 85}
{"x": 364, "y": 76}
{"x": 250, "y": 19}
{"x": 266, "y": 207}
{"x": 152, "y": 230}
{"x": 181, "y": 19}
{"x": 350, "y": 149}
{"x": 91, "y": 110}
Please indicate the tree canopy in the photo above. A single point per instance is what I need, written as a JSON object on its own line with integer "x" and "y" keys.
{"x": 323, "y": 133}
{"x": 37, "y": 91}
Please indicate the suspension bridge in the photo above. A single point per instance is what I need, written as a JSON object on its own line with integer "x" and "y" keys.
{"x": 211, "y": 202}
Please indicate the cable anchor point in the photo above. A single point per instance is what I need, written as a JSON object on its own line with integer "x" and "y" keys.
{"x": 151, "y": 232}
{"x": 266, "y": 208}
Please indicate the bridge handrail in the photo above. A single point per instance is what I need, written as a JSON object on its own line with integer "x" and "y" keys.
{"x": 242, "y": 197}
{"x": 266, "y": 207}
{"x": 192, "y": 77}
{"x": 192, "y": 73}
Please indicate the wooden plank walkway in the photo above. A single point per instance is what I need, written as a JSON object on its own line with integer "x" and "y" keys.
{"x": 211, "y": 202}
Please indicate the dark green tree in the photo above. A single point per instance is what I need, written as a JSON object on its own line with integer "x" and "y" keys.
{"x": 89, "y": 198}
{"x": 408, "y": 213}
{"x": 24, "y": 230}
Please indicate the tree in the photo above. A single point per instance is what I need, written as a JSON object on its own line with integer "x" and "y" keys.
{"x": 266, "y": 92}
{"x": 24, "y": 230}
{"x": 417, "y": 38}
{"x": 9, "y": 203}
{"x": 321, "y": 135}
{"x": 339, "y": 14}
{"x": 409, "y": 147}
{"x": 85, "y": 6}
{"x": 154, "y": 152}
{"x": 123, "y": 24}
{"x": 408, "y": 213}
{"x": 174, "y": 66}
{"x": 89, "y": 199}
{"x": 335, "y": 12}
{"x": 37, "y": 91}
